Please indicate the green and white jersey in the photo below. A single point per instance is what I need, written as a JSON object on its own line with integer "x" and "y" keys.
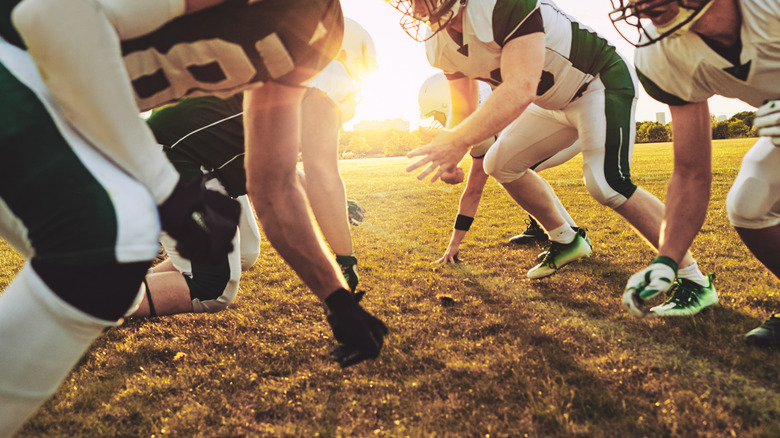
{"x": 687, "y": 68}
{"x": 228, "y": 48}
{"x": 575, "y": 54}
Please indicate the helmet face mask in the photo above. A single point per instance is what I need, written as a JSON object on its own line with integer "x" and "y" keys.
{"x": 417, "y": 14}
{"x": 633, "y": 19}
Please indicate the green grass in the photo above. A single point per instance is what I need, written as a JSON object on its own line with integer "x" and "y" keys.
{"x": 511, "y": 357}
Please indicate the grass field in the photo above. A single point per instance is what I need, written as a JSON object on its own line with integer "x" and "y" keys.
{"x": 510, "y": 357}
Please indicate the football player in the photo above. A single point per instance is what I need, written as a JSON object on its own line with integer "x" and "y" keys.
{"x": 434, "y": 101}
{"x": 583, "y": 90}
{"x": 687, "y": 52}
{"x": 209, "y": 132}
{"x": 72, "y": 126}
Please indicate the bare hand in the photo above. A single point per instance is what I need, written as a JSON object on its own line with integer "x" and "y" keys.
{"x": 454, "y": 177}
{"x": 442, "y": 156}
{"x": 449, "y": 257}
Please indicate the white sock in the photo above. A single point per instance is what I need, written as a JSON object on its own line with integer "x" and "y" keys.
{"x": 562, "y": 234}
{"x": 41, "y": 339}
{"x": 692, "y": 272}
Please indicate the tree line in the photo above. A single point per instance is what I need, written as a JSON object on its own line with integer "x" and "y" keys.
{"x": 396, "y": 143}
{"x": 740, "y": 125}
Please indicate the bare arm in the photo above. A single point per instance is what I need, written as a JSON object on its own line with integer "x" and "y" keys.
{"x": 272, "y": 132}
{"x": 688, "y": 194}
{"x": 469, "y": 202}
{"x": 522, "y": 60}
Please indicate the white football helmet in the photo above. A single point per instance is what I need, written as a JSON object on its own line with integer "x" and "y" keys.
{"x": 434, "y": 99}
{"x": 632, "y": 18}
{"x": 435, "y": 13}
{"x": 358, "y": 53}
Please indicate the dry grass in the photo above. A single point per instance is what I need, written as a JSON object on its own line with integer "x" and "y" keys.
{"x": 510, "y": 357}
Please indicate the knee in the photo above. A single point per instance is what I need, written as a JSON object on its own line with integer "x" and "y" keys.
{"x": 498, "y": 170}
{"x": 750, "y": 203}
{"x": 213, "y": 292}
{"x": 106, "y": 291}
{"x": 612, "y": 194}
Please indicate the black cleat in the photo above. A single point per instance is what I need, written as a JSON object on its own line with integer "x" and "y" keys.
{"x": 533, "y": 234}
{"x": 767, "y": 335}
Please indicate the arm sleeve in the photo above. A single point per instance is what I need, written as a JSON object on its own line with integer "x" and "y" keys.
{"x": 77, "y": 52}
{"x": 513, "y": 19}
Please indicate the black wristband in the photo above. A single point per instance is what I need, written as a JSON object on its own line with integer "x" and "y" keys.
{"x": 463, "y": 223}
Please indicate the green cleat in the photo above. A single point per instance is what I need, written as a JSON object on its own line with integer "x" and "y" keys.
{"x": 533, "y": 234}
{"x": 687, "y": 298}
{"x": 767, "y": 335}
{"x": 561, "y": 254}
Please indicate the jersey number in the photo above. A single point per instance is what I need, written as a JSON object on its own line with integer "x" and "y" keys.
{"x": 205, "y": 65}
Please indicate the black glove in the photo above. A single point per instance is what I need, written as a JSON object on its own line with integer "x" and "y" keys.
{"x": 360, "y": 334}
{"x": 202, "y": 221}
{"x": 356, "y": 212}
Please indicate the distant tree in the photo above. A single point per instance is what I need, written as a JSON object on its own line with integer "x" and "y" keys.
{"x": 394, "y": 146}
{"x": 358, "y": 146}
{"x": 720, "y": 130}
{"x": 652, "y": 132}
{"x": 745, "y": 116}
{"x": 738, "y": 129}
{"x": 657, "y": 133}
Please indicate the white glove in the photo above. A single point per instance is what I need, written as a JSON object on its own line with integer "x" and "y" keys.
{"x": 648, "y": 283}
{"x": 768, "y": 121}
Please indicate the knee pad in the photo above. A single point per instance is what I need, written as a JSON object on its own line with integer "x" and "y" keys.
{"x": 751, "y": 204}
{"x": 213, "y": 288}
{"x": 610, "y": 194}
{"x": 497, "y": 170}
{"x": 105, "y": 291}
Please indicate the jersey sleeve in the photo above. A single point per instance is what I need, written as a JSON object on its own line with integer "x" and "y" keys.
{"x": 657, "y": 93}
{"x": 507, "y": 19}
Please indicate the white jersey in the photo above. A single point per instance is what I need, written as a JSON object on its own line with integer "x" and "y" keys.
{"x": 685, "y": 69}
{"x": 336, "y": 82}
{"x": 575, "y": 55}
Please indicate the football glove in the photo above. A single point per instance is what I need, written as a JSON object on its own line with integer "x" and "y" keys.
{"x": 202, "y": 221}
{"x": 768, "y": 121}
{"x": 648, "y": 283}
{"x": 356, "y": 212}
{"x": 360, "y": 335}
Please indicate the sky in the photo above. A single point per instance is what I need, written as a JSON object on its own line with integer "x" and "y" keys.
{"x": 392, "y": 92}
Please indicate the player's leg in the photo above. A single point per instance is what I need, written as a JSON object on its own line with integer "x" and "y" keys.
{"x": 531, "y": 138}
{"x": 605, "y": 120}
{"x": 275, "y": 192}
{"x": 92, "y": 232}
{"x": 754, "y": 211}
{"x": 183, "y": 286}
{"x": 324, "y": 187}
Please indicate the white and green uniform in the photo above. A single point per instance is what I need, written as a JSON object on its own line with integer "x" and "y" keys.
{"x": 688, "y": 68}
{"x": 208, "y": 133}
{"x": 85, "y": 211}
{"x": 586, "y": 92}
